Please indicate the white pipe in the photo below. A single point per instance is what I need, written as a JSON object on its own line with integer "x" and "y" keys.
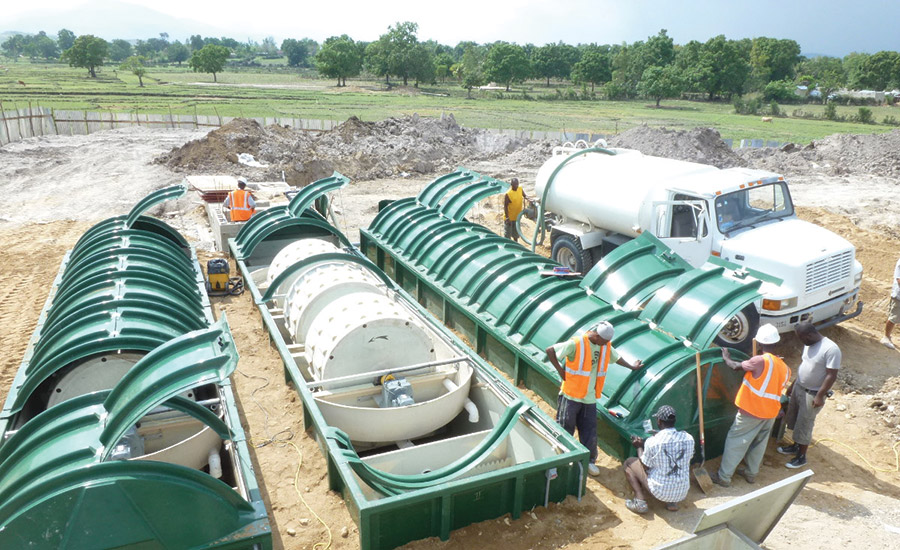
{"x": 215, "y": 463}
{"x": 469, "y": 406}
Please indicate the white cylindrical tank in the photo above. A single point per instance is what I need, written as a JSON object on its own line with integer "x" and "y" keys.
{"x": 610, "y": 192}
{"x": 295, "y": 252}
{"x": 363, "y": 332}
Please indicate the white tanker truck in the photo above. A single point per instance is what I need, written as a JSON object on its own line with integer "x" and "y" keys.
{"x": 595, "y": 199}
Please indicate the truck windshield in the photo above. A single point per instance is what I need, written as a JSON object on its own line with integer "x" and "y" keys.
{"x": 752, "y": 206}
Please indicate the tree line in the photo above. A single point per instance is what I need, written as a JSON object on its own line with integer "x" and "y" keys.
{"x": 655, "y": 68}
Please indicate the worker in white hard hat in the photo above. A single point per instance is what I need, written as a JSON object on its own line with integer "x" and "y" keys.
{"x": 240, "y": 203}
{"x": 758, "y": 401}
{"x": 587, "y": 358}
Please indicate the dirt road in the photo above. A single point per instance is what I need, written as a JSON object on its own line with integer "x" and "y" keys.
{"x": 59, "y": 186}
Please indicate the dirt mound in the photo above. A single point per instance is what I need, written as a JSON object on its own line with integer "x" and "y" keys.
{"x": 835, "y": 155}
{"x": 703, "y": 145}
{"x": 357, "y": 149}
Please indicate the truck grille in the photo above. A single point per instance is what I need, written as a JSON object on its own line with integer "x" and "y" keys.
{"x": 826, "y": 271}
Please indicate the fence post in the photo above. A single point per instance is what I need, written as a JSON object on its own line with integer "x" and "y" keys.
{"x": 53, "y": 121}
{"x": 196, "y": 126}
{"x": 87, "y": 129}
{"x": 171, "y": 120}
{"x": 217, "y": 115}
{"x": 5, "y": 124}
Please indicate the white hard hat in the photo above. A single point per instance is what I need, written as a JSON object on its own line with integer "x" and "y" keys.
{"x": 767, "y": 334}
{"x": 242, "y": 180}
{"x": 605, "y": 330}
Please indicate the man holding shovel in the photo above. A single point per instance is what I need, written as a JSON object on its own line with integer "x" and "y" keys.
{"x": 758, "y": 401}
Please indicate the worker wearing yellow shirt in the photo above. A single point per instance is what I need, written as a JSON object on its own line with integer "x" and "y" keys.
{"x": 513, "y": 203}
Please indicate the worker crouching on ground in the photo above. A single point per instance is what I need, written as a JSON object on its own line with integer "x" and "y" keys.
{"x": 759, "y": 402}
{"x": 513, "y": 203}
{"x": 662, "y": 465}
{"x": 240, "y": 202}
{"x": 587, "y": 358}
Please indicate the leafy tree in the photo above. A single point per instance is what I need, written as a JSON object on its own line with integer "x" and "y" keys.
{"x": 65, "y": 39}
{"x": 593, "y": 67}
{"x": 658, "y": 51}
{"x": 443, "y": 63}
{"x": 178, "y": 52}
{"x": 471, "y": 68}
{"x": 88, "y": 52}
{"x": 780, "y": 90}
{"x": 826, "y": 74}
{"x": 41, "y": 45}
{"x": 135, "y": 64}
{"x": 554, "y": 60}
{"x": 661, "y": 82}
{"x": 507, "y": 63}
{"x": 339, "y": 58}
{"x": 312, "y": 48}
{"x": 268, "y": 45}
{"x": 209, "y": 59}
{"x": 421, "y": 64}
{"x": 853, "y": 63}
{"x": 14, "y": 46}
{"x": 196, "y": 42}
{"x": 393, "y": 52}
{"x": 880, "y": 71}
{"x": 716, "y": 67}
{"x": 773, "y": 59}
{"x": 119, "y": 50}
{"x": 295, "y": 51}
{"x": 627, "y": 70}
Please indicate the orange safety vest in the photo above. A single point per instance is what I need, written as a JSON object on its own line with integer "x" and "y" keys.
{"x": 578, "y": 370}
{"x": 516, "y": 201}
{"x": 761, "y": 396}
{"x": 240, "y": 207}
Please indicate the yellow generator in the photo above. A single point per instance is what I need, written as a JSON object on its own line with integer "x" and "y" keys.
{"x": 218, "y": 281}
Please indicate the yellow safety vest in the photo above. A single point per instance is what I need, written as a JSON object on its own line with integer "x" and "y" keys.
{"x": 578, "y": 370}
{"x": 761, "y": 396}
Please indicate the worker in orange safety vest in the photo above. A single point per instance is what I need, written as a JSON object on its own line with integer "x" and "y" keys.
{"x": 587, "y": 358}
{"x": 240, "y": 202}
{"x": 758, "y": 401}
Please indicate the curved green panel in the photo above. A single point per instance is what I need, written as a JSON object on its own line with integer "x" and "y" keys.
{"x": 631, "y": 273}
{"x": 201, "y": 413}
{"x": 142, "y": 269}
{"x": 127, "y": 238}
{"x": 199, "y": 357}
{"x": 697, "y": 304}
{"x": 432, "y": 194}
{"x": 173, "y": 291}
{"x": 308, "y": 195}
{"x": 283, "y": 224}
{"x": 139, "y": 504}
{"x": 151, "y": 200}
{"x": 323, "y": 258}
{"x": 123, "y": 257}
{"x": 387, "y": 216}
{"x": 143, "y": 223}
{"x": 457, "y": 206}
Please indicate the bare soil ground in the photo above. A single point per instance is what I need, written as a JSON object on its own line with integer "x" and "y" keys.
{"x": 57, "y": 187}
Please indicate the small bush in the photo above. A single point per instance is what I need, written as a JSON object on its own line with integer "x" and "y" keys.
{"x": 891, "y": 121}
{"x": 738, "y": 104}
{"x": 773, "y": 109}
{"x": 780, "y": 90}
{"x": 831, "y": 111}
{"x": 864, "y": 116}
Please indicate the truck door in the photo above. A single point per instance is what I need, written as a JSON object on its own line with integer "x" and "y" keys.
{"x": 683, "y": 224}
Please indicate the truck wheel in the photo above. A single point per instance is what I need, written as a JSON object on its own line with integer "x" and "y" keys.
{"x": 740, "y": 330}
{"x": 567, "y": 251}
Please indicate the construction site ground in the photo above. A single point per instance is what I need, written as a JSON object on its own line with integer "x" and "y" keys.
{"x": 56, "y": 187}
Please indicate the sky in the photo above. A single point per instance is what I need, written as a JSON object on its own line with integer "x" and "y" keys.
{"x": 827, "y": 27}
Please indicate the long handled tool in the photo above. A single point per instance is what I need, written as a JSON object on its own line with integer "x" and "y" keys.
{"x": 700, "y": 473}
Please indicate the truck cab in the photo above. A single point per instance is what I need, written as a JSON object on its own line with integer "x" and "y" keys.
{"x": 739, "y": 216}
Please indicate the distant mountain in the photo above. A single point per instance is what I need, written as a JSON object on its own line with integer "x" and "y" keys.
{"x": 110, "y": 19}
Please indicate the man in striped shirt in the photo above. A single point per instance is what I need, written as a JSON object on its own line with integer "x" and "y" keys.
{"x": 662, "y": 466}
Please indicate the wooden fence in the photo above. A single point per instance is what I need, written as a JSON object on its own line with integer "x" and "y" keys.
{"x": 28, "y": 122}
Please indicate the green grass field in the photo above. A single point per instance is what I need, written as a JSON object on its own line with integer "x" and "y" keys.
{"x": 278, "y": 91}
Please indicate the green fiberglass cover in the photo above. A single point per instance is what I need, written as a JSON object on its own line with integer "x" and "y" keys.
{"x": 665, "y": 313}
{"x": 59, "y": 488}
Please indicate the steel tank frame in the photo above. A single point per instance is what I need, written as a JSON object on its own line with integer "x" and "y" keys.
{"x": 390, "y": 504}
